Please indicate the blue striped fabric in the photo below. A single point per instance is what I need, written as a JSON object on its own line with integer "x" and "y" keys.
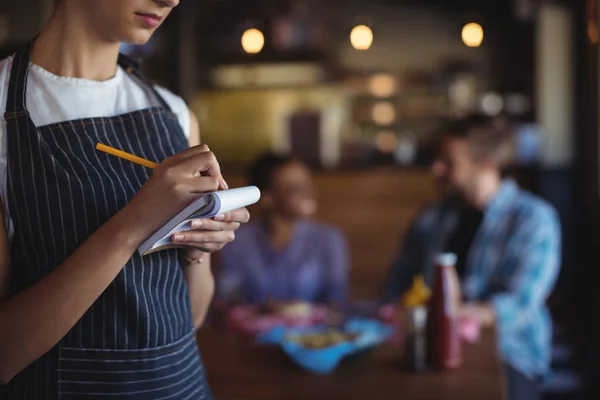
{"x": 136, "y": 341}
{"x": 513, "y": 263}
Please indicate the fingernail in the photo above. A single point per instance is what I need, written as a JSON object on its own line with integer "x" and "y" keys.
{"x": 225, "y": 185}
{"x": 177, "y": 237}
{"x": 220, "y": 217}
{"x": 196, "y": 223}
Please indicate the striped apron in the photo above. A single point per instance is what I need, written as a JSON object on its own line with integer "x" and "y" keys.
{"x": 137, "y": 340}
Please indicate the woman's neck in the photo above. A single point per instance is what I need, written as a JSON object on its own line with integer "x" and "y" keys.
{"x": 280, "y": 230}
{"x": 69, "y": 46}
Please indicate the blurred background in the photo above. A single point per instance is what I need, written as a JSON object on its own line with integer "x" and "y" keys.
{"x": 358, "y": 88}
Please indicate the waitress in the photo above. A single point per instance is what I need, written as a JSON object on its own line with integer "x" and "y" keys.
{"x": 81, "y": 313}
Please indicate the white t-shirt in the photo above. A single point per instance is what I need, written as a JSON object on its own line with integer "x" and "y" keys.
{"x": 52, "y": 99}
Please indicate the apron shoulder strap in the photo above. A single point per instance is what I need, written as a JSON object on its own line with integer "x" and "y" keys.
{"x": 16, "y": 100}
{"x": 133, "y": 66}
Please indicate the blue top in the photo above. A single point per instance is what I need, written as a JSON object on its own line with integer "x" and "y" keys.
{"x": 512, "y": 263}
{"x": 312, "y": 267}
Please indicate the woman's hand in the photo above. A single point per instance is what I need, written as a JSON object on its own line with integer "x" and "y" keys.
{"x": 176, "y": 182}
{"x": 210, "y": 235}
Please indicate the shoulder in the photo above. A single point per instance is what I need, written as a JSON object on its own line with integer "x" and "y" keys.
{"x": 178, "y": 106}
{"x": 535, "y": 213}
{"x": 324, "y": 233}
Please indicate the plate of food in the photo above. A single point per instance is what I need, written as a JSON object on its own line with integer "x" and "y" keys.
{"x": 320, "y": 339}
{"x": 320, "y": 348}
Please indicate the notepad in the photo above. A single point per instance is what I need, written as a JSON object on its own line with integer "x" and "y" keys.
{"x": 207, "y": 206}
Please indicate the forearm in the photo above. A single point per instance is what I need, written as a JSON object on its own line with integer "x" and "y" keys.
{"x": 485, "y": 313}
{"x": 36, "y": 319}
{"x": 201, "y": 288}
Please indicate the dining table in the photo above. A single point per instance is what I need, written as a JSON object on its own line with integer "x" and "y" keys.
{"x": 238, "y": 368}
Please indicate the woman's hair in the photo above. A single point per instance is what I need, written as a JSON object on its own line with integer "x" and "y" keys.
{"x": 489, "y": 141}
{"x": 264, "y": 168}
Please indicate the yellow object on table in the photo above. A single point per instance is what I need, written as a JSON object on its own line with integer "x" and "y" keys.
{"x": 418, "y": 294}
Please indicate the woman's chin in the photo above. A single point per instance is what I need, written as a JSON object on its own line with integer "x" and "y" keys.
{"x": 308, "y": 209}
{"x": 138, "y": 37}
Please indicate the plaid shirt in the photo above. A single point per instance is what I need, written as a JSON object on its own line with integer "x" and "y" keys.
{"x": 513, "y": 264}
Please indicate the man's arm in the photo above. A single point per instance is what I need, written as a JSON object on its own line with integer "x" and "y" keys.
{"x": 536, "y": 273}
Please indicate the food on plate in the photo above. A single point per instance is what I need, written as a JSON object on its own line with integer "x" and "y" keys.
{"x": 292, "y": 309}
{"x": 320, "y": 340}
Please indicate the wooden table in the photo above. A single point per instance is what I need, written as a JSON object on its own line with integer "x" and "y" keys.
{"x": 240, "y": 370}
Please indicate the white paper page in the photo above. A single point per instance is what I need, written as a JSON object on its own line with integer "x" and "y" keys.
{"x": 233, "y": 199}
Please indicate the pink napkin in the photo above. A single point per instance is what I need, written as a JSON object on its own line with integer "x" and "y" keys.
{"x": 387, "y": 314}
{"x": 247, "y": 319}
{"x": 469, "y": 328}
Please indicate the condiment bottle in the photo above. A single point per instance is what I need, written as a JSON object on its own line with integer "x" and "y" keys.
{"x": 443, "y": 339}
{"x": 416, "y": 340}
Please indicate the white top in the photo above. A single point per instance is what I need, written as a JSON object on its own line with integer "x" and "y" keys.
{"x": 52, "y": 99}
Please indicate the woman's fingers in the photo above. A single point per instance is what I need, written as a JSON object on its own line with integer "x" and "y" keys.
{"x": 204, "y": 163}
{"x": 240, "y": 215}
{"x": 198, "y": 161}
{"x": 202, "y": 184}
{"x": 212, "y": 225}
{"x": 187, "y": 153}
{"x": 200, "y": 238}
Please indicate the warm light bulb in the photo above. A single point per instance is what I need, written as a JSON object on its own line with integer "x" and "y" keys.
{"x": 593, "y": 32}
{"x": 361, "y": 37}
{"x": 383, "y": 113}
{"x": 382, "y": 85}
{"x": 472, "y": 34}
{"x": 253, "y": 41}
{"x": 386, "y": 141}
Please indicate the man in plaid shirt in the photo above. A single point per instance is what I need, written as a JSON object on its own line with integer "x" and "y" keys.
{"x": 508, "y": 247}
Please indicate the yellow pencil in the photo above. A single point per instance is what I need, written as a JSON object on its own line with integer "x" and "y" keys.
{"x": 126, "y": 156}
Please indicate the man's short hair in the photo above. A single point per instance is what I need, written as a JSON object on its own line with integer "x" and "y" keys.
{"x": 264, "y": 168}
{"x": 489, "y": 141}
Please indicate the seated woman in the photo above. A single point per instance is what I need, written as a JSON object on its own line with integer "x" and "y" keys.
{"x": 284, "y": 257}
